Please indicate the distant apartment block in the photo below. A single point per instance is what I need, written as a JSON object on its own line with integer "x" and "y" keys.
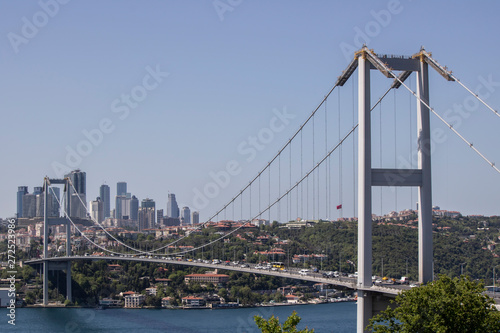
{"x": 210, "y": 278}
{"x": 134, "y": 301}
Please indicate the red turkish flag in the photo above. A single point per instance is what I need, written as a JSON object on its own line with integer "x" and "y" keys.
{"x": 339, "y": 206}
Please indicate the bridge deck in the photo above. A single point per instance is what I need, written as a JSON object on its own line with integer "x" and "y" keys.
{"x": 290, "y": 273}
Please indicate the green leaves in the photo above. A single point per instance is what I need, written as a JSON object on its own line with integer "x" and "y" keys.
{"x": 445, "y": 305}
{"x": 273, "y": 325}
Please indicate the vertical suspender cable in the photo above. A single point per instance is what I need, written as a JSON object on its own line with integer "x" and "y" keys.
{"x": 353, "y": 152}
{"x": 269, "y": 198}
{"x": 340, "y": 164}
{"x": 301, "y": 174}
{"x": 411, "y": 136}
{"x": 314, "y": 174}
{"x": 279, "y": 187}
{"x": 290, "y": 185}
{"x": 250, "y": 202}
{"x": 380, "y": 140}
{"x": 395, "y": 147}
{"x": 326, "y": 164}
{"x": 259, "y": 196}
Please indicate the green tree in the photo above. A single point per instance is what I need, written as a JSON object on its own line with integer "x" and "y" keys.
{"x": 273, "y": 324}
{"x": 445, "y": 305}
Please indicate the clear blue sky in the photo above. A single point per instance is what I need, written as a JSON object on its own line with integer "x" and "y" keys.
{"x": 229, "y": 65}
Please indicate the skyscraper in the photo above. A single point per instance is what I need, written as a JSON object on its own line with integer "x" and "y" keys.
{"x": 55, "y": 197}
{"x": 186, "y": 215}
{"x": 172, "y": 207}
{"x": 121, "y": 188}
{"x": 37, "y": 190}
{"x": 21, "y": 191}
{"x": 118, "y": 206}
{"x": 159, "y": 216}
{"x": 97, "y": 210}
{"x": 106, "y": 199}
{"x": 146, "y": 218}
{"x": 134, "y": 208}
{"x": 150, "y": 203}
{"x": 195, "y": 218}
{"x": 29, "y": 205}
{"x": 78, "y": 193}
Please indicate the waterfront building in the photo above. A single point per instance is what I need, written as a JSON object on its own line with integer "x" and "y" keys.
{"x": 192, "y": 301}
{"x": 134, "y": 301}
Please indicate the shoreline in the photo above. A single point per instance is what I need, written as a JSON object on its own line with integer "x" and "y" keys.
{"x": 59, "y": 306}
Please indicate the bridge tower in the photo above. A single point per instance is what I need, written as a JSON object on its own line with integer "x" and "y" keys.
{"x": 366, "y": 60}
{"x": 60, "y": 265}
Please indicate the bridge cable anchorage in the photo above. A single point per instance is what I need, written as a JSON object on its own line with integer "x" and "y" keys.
{"x": 375, "y": 58}
{"x": 74, "y": 225}
{"x": 433, "y": 62}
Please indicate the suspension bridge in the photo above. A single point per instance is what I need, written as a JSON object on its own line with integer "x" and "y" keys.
{"x": 317, "y": 175}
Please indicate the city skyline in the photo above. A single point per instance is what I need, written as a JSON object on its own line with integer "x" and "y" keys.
{"x": 126, "y": 204}
{"x": 224, "y": 76}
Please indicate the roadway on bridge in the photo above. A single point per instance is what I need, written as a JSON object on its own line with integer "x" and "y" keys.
{"x": 290, "y": 272}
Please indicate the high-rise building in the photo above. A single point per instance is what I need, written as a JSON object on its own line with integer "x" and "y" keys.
{"x": 172, "y": 207}
{"x": 97, "y": 210}
{"x": 21, "y": 191}
{"x": 78, "y": 193}
{"x": 195, "y": 217}
{"x": 159, "y": 216}
{"x": 104, "y": 194}
{"x": 134, "y": 208}
{"x": 40, "y": 207}
{"x": 123, "y": 206}
{"x": 37, "y": 190}
{"x": 146, "y": 218}
{"x": 121, "y": 188}
{"x": 118, "y": 206}
{"x": 150, "y": 203}
{"x": 55, "y": 197}
{"x": 186, "y": 215}
{"x": 53, "y": 202}
{"x": 29, "y": 205}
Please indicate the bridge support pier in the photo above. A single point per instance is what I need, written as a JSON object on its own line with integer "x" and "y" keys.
{"x": 69, "y": 294}
{"x": 425, "y": 251}
{"x": 364, "y": 309}
{"x": 45, "y": 283}
{"x": 364, "y": 195}
{"x": 46, "y": 223}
